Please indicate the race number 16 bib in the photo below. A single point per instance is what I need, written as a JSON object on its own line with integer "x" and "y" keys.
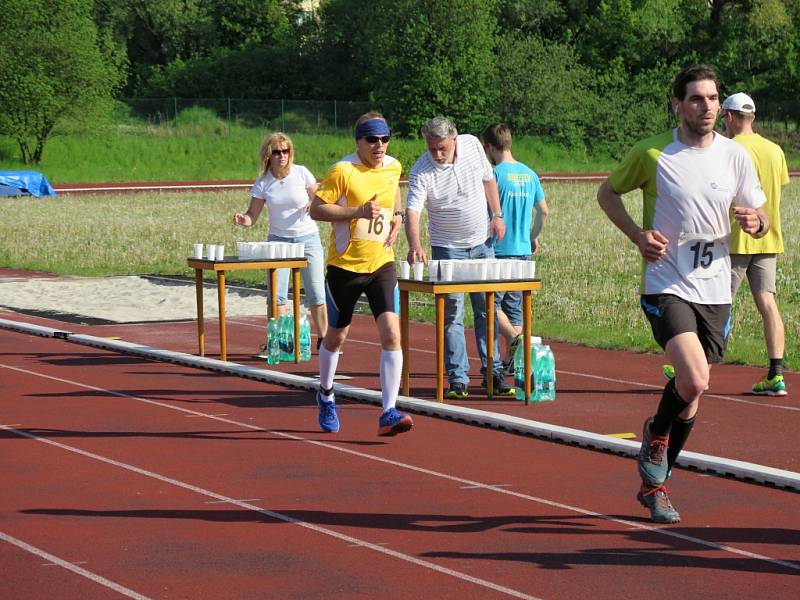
{"x": 700, "y": 256}
{"x": 374, "y": 230}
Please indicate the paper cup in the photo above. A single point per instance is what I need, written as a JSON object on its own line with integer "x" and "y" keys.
{"x": 299, "y": 250}
{"x": 405, "y": 270}
{"x": 433, "y": 270}
{"x": 220, "y": 252}
{"x": 446, "y": 270}
{"x": 211, "y": 251}
{"x": 530, "y": 269}
{"x": 418, "y": 270}
{"x": 198, "y": 250}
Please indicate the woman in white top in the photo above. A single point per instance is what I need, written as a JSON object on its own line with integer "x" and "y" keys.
{"x": 287, "y": 189}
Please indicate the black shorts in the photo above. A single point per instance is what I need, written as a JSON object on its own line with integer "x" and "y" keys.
{"x": 670, "y": 316}
{"x": 343, "y": 289}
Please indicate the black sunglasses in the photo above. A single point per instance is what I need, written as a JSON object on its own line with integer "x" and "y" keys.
{"x": 280, "y": 152}
{"x": 374, "y": 139}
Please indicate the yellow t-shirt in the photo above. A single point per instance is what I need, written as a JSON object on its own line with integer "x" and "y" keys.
{"x": 359, "y": 245}
{"x": 773, "y": 173}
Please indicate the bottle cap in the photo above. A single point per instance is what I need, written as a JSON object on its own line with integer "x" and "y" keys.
{"x": 535, "y": 339}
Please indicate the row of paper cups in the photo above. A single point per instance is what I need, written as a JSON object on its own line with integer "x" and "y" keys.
{"x": 471, "y": 269}
{"x": 210, "y": 251}
{"x": 270, "y": 250}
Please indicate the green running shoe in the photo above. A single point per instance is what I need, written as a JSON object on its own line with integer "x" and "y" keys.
{"x": 656, "y": 500}
{"x": 770, "y": 387}
{"x": 457, "y": 391}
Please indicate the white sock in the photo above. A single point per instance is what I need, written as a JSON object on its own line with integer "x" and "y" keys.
{"x": 328, "y": 361}
{"x": 391, "y": 372}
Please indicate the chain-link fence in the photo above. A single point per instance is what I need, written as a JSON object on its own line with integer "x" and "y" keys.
{"x": 292, "y": 116}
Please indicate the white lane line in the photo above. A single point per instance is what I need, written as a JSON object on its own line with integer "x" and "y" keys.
{"x": 55, "y": 560}
{"x": 458, "y": 480}
{"x": 280, "y": 516}
{"x": 659, "y": 387}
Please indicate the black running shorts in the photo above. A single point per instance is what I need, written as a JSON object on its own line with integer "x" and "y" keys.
{"x": 344, "y": 288}
{"x": 670, "y": 315}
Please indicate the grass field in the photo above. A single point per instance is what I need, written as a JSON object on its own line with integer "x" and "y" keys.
{"x": 589, "y": 270}
{"x": 208, "y": 148}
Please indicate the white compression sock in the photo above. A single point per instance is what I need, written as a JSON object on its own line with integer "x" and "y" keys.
{"x": 391, "y": 372}
{"x": 328, "y": 361}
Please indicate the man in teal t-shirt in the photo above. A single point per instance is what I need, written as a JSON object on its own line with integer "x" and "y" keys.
{"x": 524, "y": 211}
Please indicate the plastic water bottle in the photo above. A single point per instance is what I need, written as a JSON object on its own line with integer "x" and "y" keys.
{"x": 273, "y": 342}
{"x": 305, "y": 338}
{"x": 548, "y": 379}
{"x": 519, "y": 369}
{"x": 286, "y": 324}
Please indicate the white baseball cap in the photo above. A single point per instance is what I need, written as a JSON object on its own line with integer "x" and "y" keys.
{"x": 740, "y": 102}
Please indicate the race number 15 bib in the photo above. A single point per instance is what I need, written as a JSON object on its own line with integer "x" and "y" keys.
{"x": 700, "y": 256}
{"x": 374, "y": 230}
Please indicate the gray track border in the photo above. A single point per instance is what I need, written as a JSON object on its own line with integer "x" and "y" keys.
{"x": 740, "y": 470}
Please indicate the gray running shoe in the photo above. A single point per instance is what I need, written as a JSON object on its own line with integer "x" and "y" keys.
{"x": 656, "y": 500}
{"x": 652, "y": 459}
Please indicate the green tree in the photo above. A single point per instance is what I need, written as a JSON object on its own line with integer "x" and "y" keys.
{"x": 53, "y": 68}
{"x": 429, "y": 58}
{"x": 544, "y": 87}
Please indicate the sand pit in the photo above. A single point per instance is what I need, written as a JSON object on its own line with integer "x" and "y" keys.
{"x": 129, "y": 299}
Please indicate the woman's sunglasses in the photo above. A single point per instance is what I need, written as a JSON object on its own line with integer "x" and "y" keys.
{"x": 374, "y": 139}
{"x": 280, "y": 152}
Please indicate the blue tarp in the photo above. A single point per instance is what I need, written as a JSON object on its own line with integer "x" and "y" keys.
{"x": 32, "y": 182}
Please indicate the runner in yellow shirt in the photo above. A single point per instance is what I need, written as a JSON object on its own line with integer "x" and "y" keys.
{"x": 360, "y": 196}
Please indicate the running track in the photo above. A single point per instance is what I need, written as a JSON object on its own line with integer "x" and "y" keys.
{"x": 127, "y": 476}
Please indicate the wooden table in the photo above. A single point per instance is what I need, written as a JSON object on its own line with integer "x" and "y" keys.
{"x": 234, "y": 263}
{"x": 439, "y": 289}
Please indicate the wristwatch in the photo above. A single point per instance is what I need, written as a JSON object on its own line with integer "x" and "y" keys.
{"x": 498, "y": 215}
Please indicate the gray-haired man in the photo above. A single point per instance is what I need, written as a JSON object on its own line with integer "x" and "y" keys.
{"x": 454, "y": 181}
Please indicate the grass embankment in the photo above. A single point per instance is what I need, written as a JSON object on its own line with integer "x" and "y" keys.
{"x": 589, "y": 270}
{"x": 204, "y": 147}
{"x": 214, "y": 150}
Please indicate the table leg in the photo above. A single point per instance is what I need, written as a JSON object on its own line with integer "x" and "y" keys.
{"x": 527, "y": 330}
{"x": 296, "y": 287}
{"x": 201, "y": 329}
{"x": 490, "y": 344}
{"x": 440, "y": 347}
{"x": 273, "y": 293}
{"x": 223, "y": 345}
{"x": 405, "y": 378}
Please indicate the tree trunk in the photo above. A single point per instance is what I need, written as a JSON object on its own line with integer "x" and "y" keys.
{"x": 24, "y": 151}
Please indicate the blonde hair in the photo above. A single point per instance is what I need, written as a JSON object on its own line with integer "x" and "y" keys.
{"x": 270, "y": 143}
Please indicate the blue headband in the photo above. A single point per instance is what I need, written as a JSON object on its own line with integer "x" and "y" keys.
{"x": 372, "y": 127}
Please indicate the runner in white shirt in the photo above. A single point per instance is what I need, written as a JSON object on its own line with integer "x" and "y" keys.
{"x": 691, "y": 178}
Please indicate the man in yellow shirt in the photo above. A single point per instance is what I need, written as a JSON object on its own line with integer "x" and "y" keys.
{"x": 757, "y": 258}
{"x": 360, "y": 197}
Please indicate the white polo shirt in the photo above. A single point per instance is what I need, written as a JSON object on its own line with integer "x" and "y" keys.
{"x": 458, "y": 216}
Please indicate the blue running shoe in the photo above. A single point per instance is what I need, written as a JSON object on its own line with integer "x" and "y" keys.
{"x": 328, "y": 421}
{"x": 393, "y": 422}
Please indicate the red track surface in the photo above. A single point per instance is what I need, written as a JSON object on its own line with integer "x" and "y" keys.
{"x": 174, "y": 482}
